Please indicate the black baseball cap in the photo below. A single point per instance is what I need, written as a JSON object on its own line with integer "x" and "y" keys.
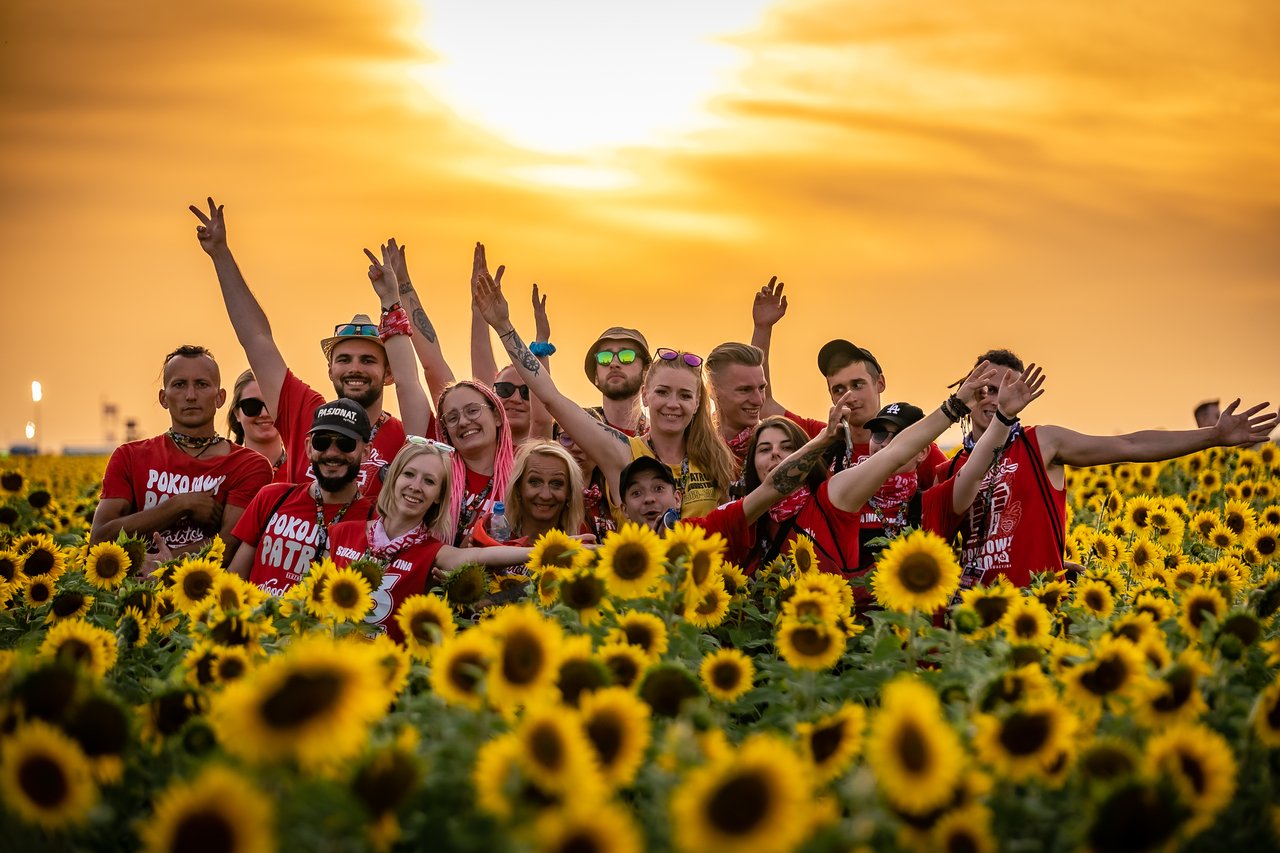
{"x": 900, "y": 415}
{"x": 641, "y": 465}
{"x": 849, "y": 352}
{"x": 344, "y": 417}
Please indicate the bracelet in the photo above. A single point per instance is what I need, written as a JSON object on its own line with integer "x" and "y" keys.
{"x": 395, "y": 306}
{"x": 1005, "y": 419}
{"x": 394, "y": 322}
{"x": 947, "y": 411}
{"x": 542, "y": 348}
{"x": 957, "y": 405}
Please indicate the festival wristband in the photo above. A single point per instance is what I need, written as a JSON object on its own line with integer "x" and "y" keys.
{"x": 1005, "y": 419}
{"x": 394, "y": 322}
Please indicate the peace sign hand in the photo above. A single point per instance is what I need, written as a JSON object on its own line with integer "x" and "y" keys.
{"x": 212, "y": 230}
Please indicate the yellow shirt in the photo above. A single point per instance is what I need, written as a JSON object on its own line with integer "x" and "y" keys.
{"x": 699, "y": 494}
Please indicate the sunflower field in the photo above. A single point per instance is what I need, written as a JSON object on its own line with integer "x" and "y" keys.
{"x": 648, "y": 695}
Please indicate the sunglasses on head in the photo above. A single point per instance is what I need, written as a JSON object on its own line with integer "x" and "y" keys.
{"x": 506, "y": 389}
{"x": 605, "y": 357}
{"x": 882, "y": 436}
{"x": 356, "y": 330}
{"x": 671, "y": 355}
{"x": 320, "y": 442}
{"x": 251, "y": 406}
{"x": 420, "y": 441}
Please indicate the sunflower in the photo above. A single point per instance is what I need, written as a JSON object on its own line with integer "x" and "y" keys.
{"x": 1106, "y": 549}
{"x": 1270, "y": 515}
{"x": 803, "y": 555}
{"x": 107, "y": 565}
{"x": 218, "y": 809}
{"x": 193, "y": 582}
{"x": 916, "y": 572}
{"x": 1222, "y": 537}
{"x": 100, "y": 728}
{"x": 684, "y": 543}
{"x": 992, "y": 602}
{"x": 1237, "y": 515}
{"x": 807, "y": 645}
{"x": 1266, "y": 715}
{"x": 466, "y": 585}
{"x": 646, "y": 631}
{"x": 554, "y": 750}
{"x": 916, "y": 755}
{"x": 631, "y": 561}
{"x": 1265, "y": 541}
{"x": 616, "y": 724}
{"x": 1198, "y": 604}
{"x": 727, "y": 674}
{"x": 1174, "y": 696}
{"x": 231, "y": 592}
{"x": 41, "y": 557}
{"x": 458, "y": 668}
{"x": 964, "y": 829}
{"x": 1024, "y": 741}
{"x": 1201, "y": 763}
{"x": 1116, "y": 670}
{"x": 524, "y": 665}
{"x": 814, "y": 604}
{"x": 1137, "y": 511}
{"x": 69, "y": 604}
{"x": 1016, "y": 686}
{"x": 830, "y": 744}
{"x": 1051, "y": 593}
{"x": 497, "y": 762}
{"x": 588, "y": 828}
{"x": 347, "y": 596}
{"x": 1095, "y": 598}
{"x": 583, "y": 590}
{"x": 735, "y": 580}
{"x": 312, "y": 703}
{"x": 711, "y": 608}
{"x": 1027, "y": 622}
{"x": 167, "y": 714}
{"x": 1108, "y": 759}
{"x": 384, "y": 783}
{"x": 667, "y": 687}
{"x": 426, "y": 621}
{"x": 1135, "y": 626}
{"x": 45, "y": 777}
{"x": 556, "y": 550}
{"x": 625, "y": 662}
{"x": 755, "y": 799}
{"x": 77, "y": 642}
{"x": 11, "y": 569}
{"x": 39, "y": 590}
{"x": 229, "y": 664}
{"x": 1145, "y": 555}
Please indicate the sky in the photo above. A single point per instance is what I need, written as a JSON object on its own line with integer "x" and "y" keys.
{"x": 1095, "y": 186}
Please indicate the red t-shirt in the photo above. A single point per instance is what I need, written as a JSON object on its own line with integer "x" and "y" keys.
{"x": 149, "y": 472}
{"x": 286, "y": 541}
{"x": 298, "y": 404}
{"x": 477, "y": 500}
{"x": 1024, "y": 518}
{"x": 405, "y": 575}
{"x": 871, "y": 525}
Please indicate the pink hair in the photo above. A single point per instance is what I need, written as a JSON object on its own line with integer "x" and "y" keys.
{"x": 503, "y": 457}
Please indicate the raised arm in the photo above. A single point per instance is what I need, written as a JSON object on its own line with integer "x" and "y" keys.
{"x": 1061, "y": 446}
{"x": 425, "y": 342}
{"x": 769, "y": 307}
{"x": 851, "y": 488}
{"x": 792, "y": 471}
{"x": 610, "y": 449}
{"x": 1016, "y": 393}
{"x": 539, "y": 418}
{"x": 483, "y": 366}
{"x": 249, "y": 321}
{"x": 415, "y": 411}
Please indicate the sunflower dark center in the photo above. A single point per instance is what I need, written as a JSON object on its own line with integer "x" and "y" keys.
{"x": 228, "y": 599}
{"x": 108, "y": 566}
{"x": 1180, "y": 681}
{"x": 991, "y": 609}
{"x": 100, "y": 727}
{"x": 961, "y": 840}
{"x": 44, "y": 780}
{"x": 302, "y": 697}
{"x": 345, "y": 594}
{"x": 809, "y": 608}
{"x": 1140, "y": 517}
{"x": 1026, "y": 626}
{"x": 382, "y": 785}
{"x": 1273, "y": 715}
{"x": 667, "y": 688}
{"x": 558, "y": 555}
{"x": 582, "y": 592}
{"x": 811, "y": 641}
{"x": 677, "y": 551}
{"x": 1266, "y": 546}
{"x": 580, "y": 676}
{"x": 1050, "y": 598}
{"x": 630, "y": 562}
{"x": 75, "y": 650}
{"x": 803, "y": 559}
{"x": 740, "y": 804}
{"x": 39, "y": 561}
{"x": 1198, "y": 609}
{"x": 1094, "y": 599}
{"x": 1243, "y": 626}
{"x": 11, "y": 481}
{"x": 912, "y": 748}
{"x": 639, "y": 634}
{"x": 425, "y": 627}
{"x": 230, "y": 668}
{"x": 67, "y": 604}
{"x": 581, "y": 841}
{"x": 710, "y": 604}
{"x": 1193, "y": 770}
{"x": 1025, "y": 733}
{"x": 523, "y": 658}
{"x": 1107, "y": 676}
{"x": 919, "y": 573}
{"x": 231, "y": 632}
{"x": 196, "y": 585}
{"x": 1235, "y": 522}
{"x": 39, "y": 592}
{"x": 623, "y": 669}
{"x": 546, "y": 747}
{"x": 726, "y": 675}
{"x": 171, "y": 712}
{"x": 204, "y": 832}
{"x": 825, "y": 741}
{"x": 606, "y": 735}
{"x": 8, "y": 568}
{"x": 1133, "y": 818}
{"x": 700, "y": 567}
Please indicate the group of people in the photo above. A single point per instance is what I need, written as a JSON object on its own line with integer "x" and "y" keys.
{"x": 475, "y": 470}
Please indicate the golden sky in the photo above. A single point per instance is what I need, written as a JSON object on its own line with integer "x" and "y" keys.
{"x": 1095, "y": 186}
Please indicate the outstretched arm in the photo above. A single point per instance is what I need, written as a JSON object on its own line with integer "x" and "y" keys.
{"x": 451, "y": 558}
{"x": 1016, "y": 393}
{"x": 851, "y": 488}
{"x": 1061, "y": 446}
{"x": 769, "y": 307}
{"x": 610, "y": 449}
{"x": 483, "y": 367}
{"x": 424, "y": 341}
{"x": 415, "y": 411}
{"x": 247, "y": 317}
{"x": 792, "y": 472}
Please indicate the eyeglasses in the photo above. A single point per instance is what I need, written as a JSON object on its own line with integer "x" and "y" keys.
{"x": 355, "y": 330}
{"x": 251, "y": 406}
{"x": 565, "y": 440}
{"x": 506, "y": 389}
{"x": 420, "y": 441}
{"x": 470, "y": 412}
{"x": 671, "y": 355}
{"x": 605, "y": 357}
{"x": 882, "y": 436}
{"x": 320, "y": 442}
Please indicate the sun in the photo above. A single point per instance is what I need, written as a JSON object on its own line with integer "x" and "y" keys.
{"x": 576, "y": 79}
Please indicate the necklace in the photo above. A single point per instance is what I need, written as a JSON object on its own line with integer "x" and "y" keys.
{"x": 322, "y": 544}
{"x": 194, "y": 442}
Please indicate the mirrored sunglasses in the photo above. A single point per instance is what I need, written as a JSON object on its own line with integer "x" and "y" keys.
{"x": 605, "y": 357}
{"x": 356, "y": 330}
{"x": 420, "y": 441}
{"x": 506, "y": 389}
{"x": 671, "y": 355}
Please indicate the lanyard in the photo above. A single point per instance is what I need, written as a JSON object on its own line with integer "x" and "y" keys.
{"x": 322, "y": 543}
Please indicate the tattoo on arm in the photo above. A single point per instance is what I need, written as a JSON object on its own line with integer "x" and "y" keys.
{"x": 406, "y": 287}
{"x": 424, "y": 325}
{"x": 620, "y": 436}
{"x": 791, "y": 475}
{"x": 518, "y": 351}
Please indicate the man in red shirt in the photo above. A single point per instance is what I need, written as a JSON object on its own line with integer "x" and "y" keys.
{"x": 1016, "y": 527}
{"x": 357, "y": 358}
{"x": 286, "y": 526}
{"x": 190, "y": 484}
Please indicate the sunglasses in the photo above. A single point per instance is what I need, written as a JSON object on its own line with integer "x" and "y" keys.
{"x": 605, "y": 357}
{"x": 251, "y": 406}
{"x": 882, "y": 436}
{"x": 320, "y": 442}
{"x": 419, "y": 441}
{"x": 506, "y": 389}
{"x": 355, "y": 330}
{"x": 671, "y": 355}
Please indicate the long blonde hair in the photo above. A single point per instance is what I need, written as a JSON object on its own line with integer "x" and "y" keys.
{"x": 572, "y": 515}
{"x": 436, "y": 519}
{"x": 702, "y": 442}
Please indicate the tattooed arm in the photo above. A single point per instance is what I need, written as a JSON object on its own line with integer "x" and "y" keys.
{"x": 610, "y": 449}
{"x": 792, "y": 472}
{"x": 425, "y": 343}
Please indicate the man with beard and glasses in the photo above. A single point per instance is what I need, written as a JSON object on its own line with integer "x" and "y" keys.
{"x": 190, "y": 484}
{"x": 286, "y": 526}
{"x": 357, "y": 354}
{"x": 616, "y": 364}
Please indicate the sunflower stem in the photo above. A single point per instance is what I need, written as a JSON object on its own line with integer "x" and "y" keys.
{"x": 911, "y": 640}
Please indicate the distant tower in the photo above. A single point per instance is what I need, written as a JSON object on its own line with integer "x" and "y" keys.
{"x": 131, "y": 430}
{"x": 110, "y": 423}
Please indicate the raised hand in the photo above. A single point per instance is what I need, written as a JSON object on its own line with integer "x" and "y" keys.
{"x": 212, "y": 230}
{"x": 1017, "y": 392}
{"x": 1247, "y": 427}
{"x": 487, "y": 298}
{"x": 383, "y": 276}
{"x": 541, "y": 324}
{"x": 838, "y": 419}
{"x": 395, "y": 253}
{"x": 770, "y": 305}
{"x": 979, "y": 378}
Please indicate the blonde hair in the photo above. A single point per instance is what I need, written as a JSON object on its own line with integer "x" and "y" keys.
{"x": 436, "y": 519}
{"x": 573, "y": 514}
{"x": 702, "y": 442}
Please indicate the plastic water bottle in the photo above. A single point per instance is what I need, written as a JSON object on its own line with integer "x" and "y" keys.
{"x": 499, "y": 527}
